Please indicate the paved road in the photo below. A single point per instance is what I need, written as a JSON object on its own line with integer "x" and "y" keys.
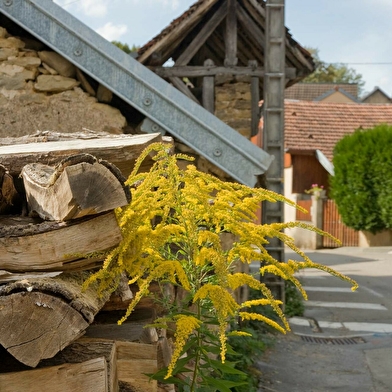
{"x": 344, "y": 340}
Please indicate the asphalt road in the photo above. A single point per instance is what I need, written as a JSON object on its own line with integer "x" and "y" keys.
{"x": 344, "y": 340}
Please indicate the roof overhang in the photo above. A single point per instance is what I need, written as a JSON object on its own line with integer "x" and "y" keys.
{"x": 324, "y": 161}
{"x": 166, "y": 108}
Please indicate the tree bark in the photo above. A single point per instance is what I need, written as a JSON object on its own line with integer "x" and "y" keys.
{"x": 56, "y": 246}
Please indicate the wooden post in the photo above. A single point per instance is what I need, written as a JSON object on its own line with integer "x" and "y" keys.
{"x": 231, "y": 34}
{"x": 255, "y": 99}
{"x": 209, "y": 89}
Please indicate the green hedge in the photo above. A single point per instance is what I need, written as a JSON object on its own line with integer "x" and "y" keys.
{"x": 362, "y": 185}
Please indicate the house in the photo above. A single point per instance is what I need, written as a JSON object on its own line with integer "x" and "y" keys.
{"x": 326, "y": 92}
{"x": 376, "y": 96}
{"x": 311, "y": 131}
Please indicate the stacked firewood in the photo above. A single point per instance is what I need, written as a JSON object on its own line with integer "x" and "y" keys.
{"x": 58, "y": 193}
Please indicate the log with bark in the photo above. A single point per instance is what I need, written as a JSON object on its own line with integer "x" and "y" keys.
{"x": 77, "y": 186}
{"x": 28, "y": 244}
{"x": 89, "y": 376}
{"x": 50, "y": 147}
{"x": 40, "y": 317}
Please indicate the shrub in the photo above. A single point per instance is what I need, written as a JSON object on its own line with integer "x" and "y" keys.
{"x": 362, "y": 184}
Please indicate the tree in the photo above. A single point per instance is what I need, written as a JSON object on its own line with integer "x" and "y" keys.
{"x": 332, "y": 73}
{"x": 362, "y": 184}
{"x": 125, "y": 47}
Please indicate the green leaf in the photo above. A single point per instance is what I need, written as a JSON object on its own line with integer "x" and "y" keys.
{"x": 227, "y": 368}
{"x": 222, "y": 385}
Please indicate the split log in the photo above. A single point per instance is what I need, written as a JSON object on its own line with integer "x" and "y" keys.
{"x": 134, "y": 329}
{"x": 78, "y": 352}
{"x": 134, "y": 361}
{"x": 55, "y": 246}
{"x": 85, "y": 349}
{"x": 40, "y": 317}
{"x": 79, "y": 185}
{"x": 90, "y": 376}
{"x": 7, "y": 277}
{"x": 49, "y": 148}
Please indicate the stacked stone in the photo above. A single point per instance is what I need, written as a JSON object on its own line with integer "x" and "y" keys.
{"x": 233, "y": 103}
{"x": 41, "y": 90}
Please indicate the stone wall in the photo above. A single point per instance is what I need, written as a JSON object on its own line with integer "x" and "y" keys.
{"x": 233, "y": 107}
{"x": 233, "y": 103}
{"x": 40, "y": 90}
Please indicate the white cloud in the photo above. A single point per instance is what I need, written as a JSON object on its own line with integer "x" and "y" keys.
{"x": 93, "y": 8}
{"x": 112, "y": 32}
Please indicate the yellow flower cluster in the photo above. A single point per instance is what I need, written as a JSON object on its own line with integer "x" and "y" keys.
{"x": 172, "y": 232}
{"x": 185, "y": 325}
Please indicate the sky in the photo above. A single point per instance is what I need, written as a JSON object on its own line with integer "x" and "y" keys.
{"x": 354, "y": 32}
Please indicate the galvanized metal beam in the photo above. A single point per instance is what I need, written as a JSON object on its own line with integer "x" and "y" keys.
{"x": 164, "y": 105}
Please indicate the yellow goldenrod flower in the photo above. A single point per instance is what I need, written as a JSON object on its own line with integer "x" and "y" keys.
{"x": 185, "y": 325}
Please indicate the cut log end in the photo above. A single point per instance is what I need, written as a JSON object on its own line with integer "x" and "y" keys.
{"x": 78, "y": 186}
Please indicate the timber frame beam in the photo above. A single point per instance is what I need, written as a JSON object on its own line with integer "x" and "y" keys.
{"x": 213, "y": 70}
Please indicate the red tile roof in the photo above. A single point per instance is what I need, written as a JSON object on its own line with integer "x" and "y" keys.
{"x": 312, "y": 91}
{"x": 313, "y": 126}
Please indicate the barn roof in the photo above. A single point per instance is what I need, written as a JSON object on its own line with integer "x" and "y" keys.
{"x": 164, "y": 106}
{"x": 251, "y": 16}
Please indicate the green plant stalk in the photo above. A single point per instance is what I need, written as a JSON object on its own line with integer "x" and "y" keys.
{"x": 199, "y": 345}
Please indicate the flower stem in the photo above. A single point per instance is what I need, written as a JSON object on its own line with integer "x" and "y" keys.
{"x": 198, "y": 351}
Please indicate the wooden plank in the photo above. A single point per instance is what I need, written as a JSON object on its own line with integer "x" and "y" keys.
{"x": 180, "y": 30}
{"x": 180, "y": 85}
{"x": 208, "y": 97}
{"x": 35, "y": 250}
{"x": 250, "y": 26}
{"x": 77, "y": 186}
{"x": 120, "y": 150}
{"x": 89, "y": 376}
{"x": 293, "y": 54}
{"x": 231, "y": 34}
{"x": 201, "y": 71}
{"x": 133, "y": 372}
{"x": 202, "y": 36}
{"x": 135, "y": 351}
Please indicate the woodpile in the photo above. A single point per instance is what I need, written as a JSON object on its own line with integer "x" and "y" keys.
{"x": 58, "y": 193}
